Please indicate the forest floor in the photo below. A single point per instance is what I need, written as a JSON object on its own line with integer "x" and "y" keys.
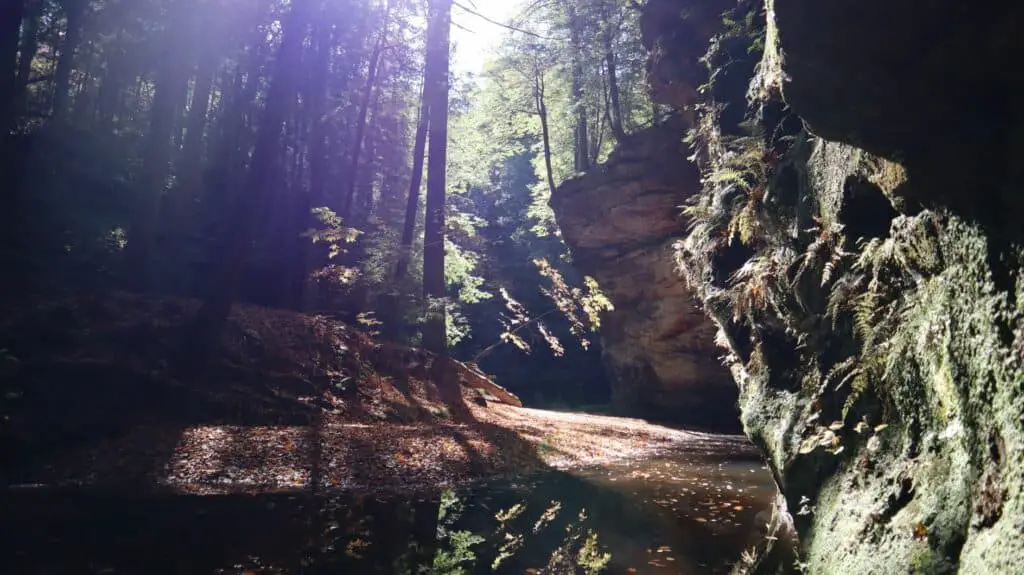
{"x": 292, "y": 402}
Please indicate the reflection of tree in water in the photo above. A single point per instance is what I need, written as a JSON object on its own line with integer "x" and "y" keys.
{"x": 430, "y": 536}
{"x": 648, "y": 515}
{"x": 579, "y": 549}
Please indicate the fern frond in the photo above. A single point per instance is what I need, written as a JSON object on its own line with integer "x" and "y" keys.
{"x": 860, "y": 384}
{"x": 842, "y": 296}
{"x": 864, "y": 307}
{"x": 745, "y": 225}
{"x": 843, "y": 368}
{"x": 730, "y": 176}
{"x": 838, "y": 254}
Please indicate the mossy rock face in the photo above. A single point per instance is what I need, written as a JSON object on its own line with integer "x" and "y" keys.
{"x": 857, "y": 245}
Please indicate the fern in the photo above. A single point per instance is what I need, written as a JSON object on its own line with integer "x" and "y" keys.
{"x": 751, "y": 285}
{"x": 745, "y": 224}
{"x": 881, "y": 313}
{"x": 842, "y": 295}
{"x": 825, "y": 252}
{"x": 843, "y": 370}
{"x": 731, "y": 175}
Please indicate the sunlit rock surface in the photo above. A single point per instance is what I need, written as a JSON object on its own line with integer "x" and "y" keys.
{"x": 620, "y": 220}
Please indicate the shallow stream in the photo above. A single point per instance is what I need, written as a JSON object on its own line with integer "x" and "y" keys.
{"x": 688, "y": 510}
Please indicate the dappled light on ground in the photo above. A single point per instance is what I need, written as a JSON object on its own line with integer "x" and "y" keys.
{"x": 346, "y": 454}
{"x": 216, "y": 459}
{"x": 309, "y": 448}
{"x": 568, "y": 439}
{"x": 661, "y": 500}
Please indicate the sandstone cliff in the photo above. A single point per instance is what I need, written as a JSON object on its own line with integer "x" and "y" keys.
{"x": 621, "y": 220}
{"x": 856, "y": 242}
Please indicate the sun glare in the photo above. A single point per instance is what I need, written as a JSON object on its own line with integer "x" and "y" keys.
{"x": 474, "y": 37}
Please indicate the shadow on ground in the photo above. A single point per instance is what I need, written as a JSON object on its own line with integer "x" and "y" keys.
{"x": 95, "y": 398}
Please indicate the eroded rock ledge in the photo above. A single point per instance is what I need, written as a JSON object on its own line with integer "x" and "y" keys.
{"x": 857, "y": 242}
{"x": 621, "y": 220}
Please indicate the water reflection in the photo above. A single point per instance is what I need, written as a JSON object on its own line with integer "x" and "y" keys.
{"x": 681, "y": 512}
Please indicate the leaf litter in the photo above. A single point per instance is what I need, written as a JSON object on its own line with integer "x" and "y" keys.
{"x": 291, "y": 402}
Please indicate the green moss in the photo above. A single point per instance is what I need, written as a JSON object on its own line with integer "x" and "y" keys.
{"x": 925, "y": 561}
{"x": 911, "y": 329}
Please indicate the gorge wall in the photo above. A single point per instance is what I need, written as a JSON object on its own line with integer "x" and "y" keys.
{"x": 856, "y": 242}
{"x": 620, "y": 221}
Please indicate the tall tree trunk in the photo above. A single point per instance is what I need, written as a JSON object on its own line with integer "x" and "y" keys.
{"x": 11, "y": 235}
{"x": 434, "y": 335}
{"x": 391, "y": 305}
{"x": 319, "y": 163}
{"x": 11, "y": 14}
{"x": 415, "y": 181}
{"x": 84, "y": 105}
{"x": 171, "y": 90}
{"x": 542, "y": 111}
{"x": 179, "y": 213}
{"x": 614, "y": 104}
{"x": 75, "y": 12}
{"x": 364, "y": 109}
{"x": 195, "y": 129}
{"x": 111, "y": 87}
{"x": 27, "y": 53}
{"x": 366, "y": 196}
{"x": 597, "y": 136}
{"x": 231, "y": 155}
{"x": 580, "y": 140}
{"x": 212, "y": 315}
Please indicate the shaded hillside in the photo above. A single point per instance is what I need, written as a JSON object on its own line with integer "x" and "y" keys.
{"x": 90, "y": 398}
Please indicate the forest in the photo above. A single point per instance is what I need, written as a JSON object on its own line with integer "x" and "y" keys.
{"x": 319, "y": 156}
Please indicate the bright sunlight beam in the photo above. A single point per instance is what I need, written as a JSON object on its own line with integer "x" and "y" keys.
{"x": 475, "y": 37}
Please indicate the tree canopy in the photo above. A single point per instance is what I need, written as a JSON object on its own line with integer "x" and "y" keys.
{"x": 274, "y": 152}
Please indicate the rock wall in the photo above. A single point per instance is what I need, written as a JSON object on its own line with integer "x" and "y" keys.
{"x": 621, "y": 220}
{"x": 857, "y": 243}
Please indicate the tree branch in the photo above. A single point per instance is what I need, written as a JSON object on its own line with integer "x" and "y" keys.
{"x": 496, "y": 23}
{"x": 498, "y": 343}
